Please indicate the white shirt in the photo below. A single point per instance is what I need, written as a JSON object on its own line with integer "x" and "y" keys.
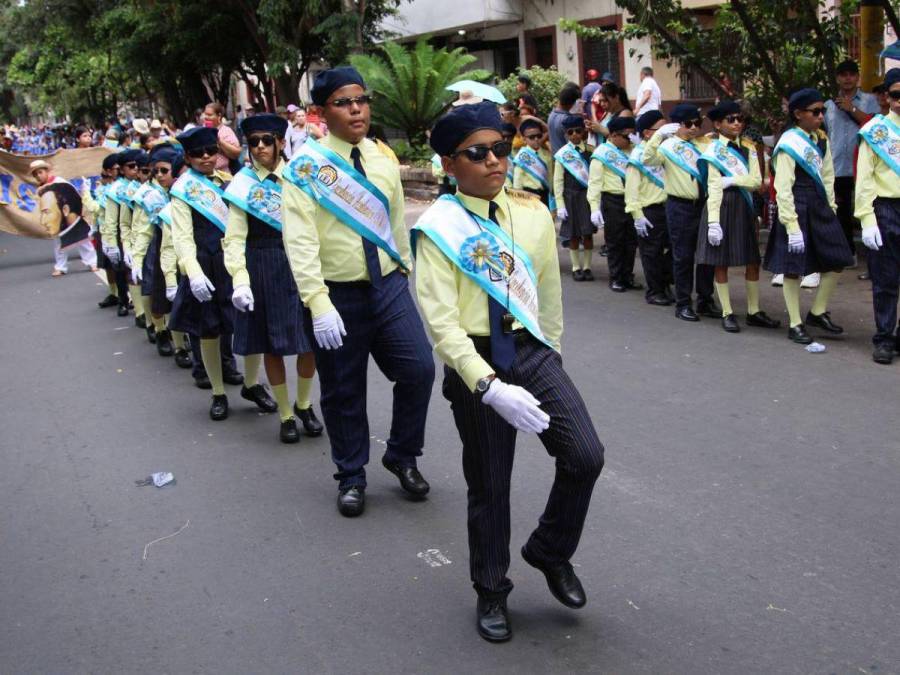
{"x": 294, "y": 138}
{"x": 655, "y": 100}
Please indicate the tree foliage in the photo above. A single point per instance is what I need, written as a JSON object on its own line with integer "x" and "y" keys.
{"x": 545, "y": 86}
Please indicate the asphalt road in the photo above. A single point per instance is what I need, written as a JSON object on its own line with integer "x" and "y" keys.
{"x": 746, "y": 520}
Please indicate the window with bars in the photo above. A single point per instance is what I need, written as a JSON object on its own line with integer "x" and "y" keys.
{"x": 601, "y": 55}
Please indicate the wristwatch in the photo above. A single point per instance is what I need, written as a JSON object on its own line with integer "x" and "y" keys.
{"x": 483, "y": 385}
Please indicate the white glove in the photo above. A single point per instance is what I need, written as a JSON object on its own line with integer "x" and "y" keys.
{"x": 668, "y": 130}
{"x": 328, "y": 330}
{"x": 871, "y": 237}
{"x": 727, "y": 182}
{"x": 137, "y": 275}
{"x": 112, "y": 252}
{"x": 597, "y": 219}
{"x": 643, "y": 227}
{"x": 714, "y": 234}
{"x": 242, "y": 298}
{"x": 795, "y": 242}
{"x": 561, "y": 212}
{"x": 202, "y": 288}
{"x": 171, "y": 292}
{"x": 516, "y": 406}
{"x": 128, "y": 259}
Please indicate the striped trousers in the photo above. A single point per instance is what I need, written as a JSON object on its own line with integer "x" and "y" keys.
{"x": 489, "y": 444}
{"x": 884, "y": 269}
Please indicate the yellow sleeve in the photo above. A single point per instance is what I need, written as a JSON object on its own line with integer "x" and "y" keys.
{"x": 125, "y": 217}
{"x": 714, "y": 193}
{"x": 633, "y": 203}
{"x": 110, "y": 219}
{"x": 828, "y": 177}
{"x": 784, "y": 191}
{"x": 301, "y": 243}
{"x": 595, "y": 184}
{"x": 866, "y": 190}
{"x": 652, "y": 156}
{"x": 558, "y": 182}
{"x": 234, "y": 246}
{"x": 438, "y": 297}
{"x": 168, "y": 261}
{"x": 183, "y": 238}
{"x": 89, "y": 205}
{"x": 141, "y": 235}
{"x": 518, "y": 175}
{"x": 753, "y": 179}
{"x": 398, "y": 223}
{"x": 549, "y": 286}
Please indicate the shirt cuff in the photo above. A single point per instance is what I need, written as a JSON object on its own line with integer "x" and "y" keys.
{"x": 171, "y": 280}
{"x": 475, "y": 370}
{"x": 319, "y": 304}
{"x": 792, "y": 228}
{"x": 240, "y": 278}
{"x": 869, "y": 220}
{"x": 192, "y": 268}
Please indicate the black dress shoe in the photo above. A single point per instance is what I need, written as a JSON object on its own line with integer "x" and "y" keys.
{"x": 289, "y": 432}
{"x": 109, "y": 301}
{"x": 311, "y": 425}
{"x": 577, "y": 275}
{"x": 617, "y": 286}
{"x": 686, "y": 314}
{"x": 824, "y": 322}
{"x": 183, "y": 358}
{"x": 492, "y": 620}
{"x": 257, "y": 394}
{"x": 657, "y": 299}
{"x": 151, "y": 334}
{"x": 351, "y": 502}
{"x": 762, "y": 320}
{"x": 604, "y": 251}
{"x": 709, "y": 310}
{"x": 730, "y": 324}
{"x": 884, "y": 353}
{"x": 587, "y": 275}
{"x": 561, "y": 579}
{"x": 202, "y": 382}
{"x": 218, "y": 411}
{"x": 233, "y": 377}
{"x": 410, "y": 478}
{"x": 122, "y": 311}
{"x": 799, "y": 335}
{"x": 140, "y": 322}
{"x": 164, "y": 345}
{"x": 633, "y": 285}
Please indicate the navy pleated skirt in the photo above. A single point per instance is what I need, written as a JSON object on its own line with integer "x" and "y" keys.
{"x": 740, "y": 244}
{"x": 205, "y": 319}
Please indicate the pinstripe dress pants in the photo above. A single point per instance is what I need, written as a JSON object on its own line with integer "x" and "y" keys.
{"x": 489, "y": 444}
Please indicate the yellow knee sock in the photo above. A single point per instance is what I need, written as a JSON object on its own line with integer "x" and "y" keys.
{"x": 280, "y": 392}
{"x": 304, "y": 387}
{"x": 752, "y": 297}
{"x": 791, "y": 290}
{"x": 251, "y": 369}
{"x": 159, "y": 322}
{"x": 136, "y": 299}
{"x": 573, "y": 255}
{"x": 113, "y": 289}
{"x": 827, "y": 284}
{"x": 177, "y": 337}
{"x": 724, "y": 297}
{"x": 212, "y": 361}
{"x": 586, "y": 256}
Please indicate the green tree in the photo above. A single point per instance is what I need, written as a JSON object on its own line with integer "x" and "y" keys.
{"x": 545, "y": 86}
{"x": 409, "y": 84}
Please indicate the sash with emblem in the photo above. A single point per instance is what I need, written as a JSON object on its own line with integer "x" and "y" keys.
{"x": 683, "y": 154}
{"x": 655, "y": 174}
{"x": 102, "y": 195}
{"x": 128, "y": 195}
{"x": 116, "y": 191}
{"x": 202, "y": 195}
{"x": 486, "y": 255}
{"x": 729, "y": 162}
{"x": 531, "y": 163}
{"x": 261, "y": 199}
{"x": 801, "y": 148}
{"x": 152, "y": 198}
{"x": 574, "y": 163}
{"x": 883, "y": 136}
{"x": 614, "y": 159}
{"x": 344, "y": 192}
{"x": 165, "y": 215}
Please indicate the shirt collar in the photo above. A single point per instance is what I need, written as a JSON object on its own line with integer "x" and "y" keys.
{"x": 263, "y": 173}
{"x": 343, "y": 148}
{"x": 481, "y": 207}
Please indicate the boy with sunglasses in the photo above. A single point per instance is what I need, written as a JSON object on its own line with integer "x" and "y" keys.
{"x": 607, "y": 190}
{"x": 489, "y": 289}
{"x": 533, "y": 164}
{"x": 878, "y": 209}
{"x": 97, "y": 207}
{"x": 270, "y": 315}
{"x": 571, "y": 176}
{"x": 677, "y": 147}
{"x": 116, "y": 227}
{"x": 348, "y": 248}
{"x": 807, "y": 235}
{"x": 140, "y": 227}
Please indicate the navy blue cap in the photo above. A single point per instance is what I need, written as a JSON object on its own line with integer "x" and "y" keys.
{"x": 573, "y": 122}
{"x": 620, "y": 124}
{"x": 329, "y": 81}
{"x": 198, "y": 137}
{"x": 165, "y": 152}
{"x": 529, "y": 124}
{"x": 131, "y": 155}
{"x": 803, "y": 98}
{"x": 143, "y": 159}
{"x": 725, "y": 108}
{"x": 110, "y": 161}
{"x": 647, "y": 120}
{"x": 684, "y": 112}
{"x": 891, "y": 78}
{"x": 265, "y": 123}
{"x": 460, "y": 123}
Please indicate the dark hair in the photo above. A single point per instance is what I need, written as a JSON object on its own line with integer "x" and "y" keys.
{"x": 81, "y": 130}
{"x": 613, "y": 91}
{"x": 511, "y": 106}
{"x": 569, "y": 94}
{"x": 66, "y": 195}
{"x": 524, "y": 79}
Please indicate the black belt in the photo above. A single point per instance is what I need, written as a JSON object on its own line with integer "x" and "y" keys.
{"x": 265, "y": 242}
{"x": 484, "y": 341}
{"x": 893, "y": 201}
{"x": 357, "y": 284}
{"x": 692, "y": 202}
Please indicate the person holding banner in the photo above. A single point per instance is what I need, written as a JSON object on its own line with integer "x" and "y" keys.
{"x": 116, "y": 228}
{"x": 570, "y": 182}
{"x": 348, "y": 248}
{"x": 878, "y": 209}
{"x": 534, "y": 164}
{"x": 727, "y": 236}
{"x": 645, "y": 202}
{"x": 489, "y": 289}
{"x": 677, "y": 147}
{"x": 807, "y": 236}
{"x": 270, "y": 315}
{"x": 606, "y": 190}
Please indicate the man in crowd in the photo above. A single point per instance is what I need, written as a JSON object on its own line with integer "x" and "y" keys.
{"x": 649, "y": 97}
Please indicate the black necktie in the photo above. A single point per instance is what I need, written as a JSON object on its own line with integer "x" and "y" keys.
{"x": 373, "y": 264}
{"x": 503, "y": 345}
{"x": 272, "y": 177}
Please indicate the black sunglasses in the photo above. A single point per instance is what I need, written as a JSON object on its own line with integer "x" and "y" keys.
{"x": 731, "y": 119}
{"x": 894, "y": 94}
{"x": 347, "y": 101}
{"x": 267, "y": 140}
{"x": 145, "y": 170}
{"x": 161, "y": 171}
{"x": 534, "y": 137}
{"x": 210, "y": 150}
{"x": 479, "y": 153}
{"x": 130, "y": 165}
{"x": 689, "y": 124}
{"x": 575, "y": 130}
{"x": 817, "y": 112}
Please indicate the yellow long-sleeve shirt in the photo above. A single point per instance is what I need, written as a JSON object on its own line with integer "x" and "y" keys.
{"x": 603, "y": 180}
{"x": 168, "y": 260}
{"x": 183, "y": 230}
{"x": 234, "y": 244}
{"x": 785, "y": 175}
{"x": 522, "y": 179}
{"x": 678, "y": 183}
{"x": 559, "y": 174}
{"x": 640, "y": 191}
{"x": 751, "y": 181}
{"x": 142, "y": 232}
{"x": 454, "y": 307}
{"x": 320, "y": 247}
{"x": 116, "y": 223}
{"x": 874, "y": 179}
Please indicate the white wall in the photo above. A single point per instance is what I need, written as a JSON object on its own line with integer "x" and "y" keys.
{"x": 440, "y": 16}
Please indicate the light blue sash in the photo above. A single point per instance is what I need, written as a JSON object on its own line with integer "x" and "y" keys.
{"x": 165, "y": 215}
{"x": 613, "y": 159}
{"x": 152, "y": 198}
{"x": 804, "y": 152}
{"x": 574, "y": 163}
{"x": 486, "y": 255}
{"x": 116, "y": 191}
{"x": 102, "y": 195}
{"x": 261, "y": 199}
{"x": 883, "y": 136}
{"x": 436, "y": 163}
{"x": 655, "y": 174}
{"x": 130, "y": 189}
{"x": 682, "y": 154}
{"x": 531, "y": 163}
{"x": 202, "y": 195}
{"x": 729, "y": 162}
{"x": 344, "y": 192}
